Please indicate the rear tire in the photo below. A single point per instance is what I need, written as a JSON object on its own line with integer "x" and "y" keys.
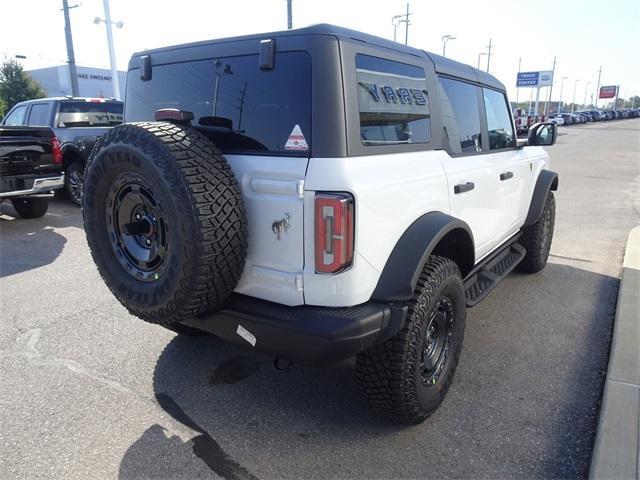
{"x": 409, "y": 375}
{"x": 164, "y": 220}
{"x": 31, "y": 207}
{"x": 536, "y": 239}
{"x": 74, "y": 181}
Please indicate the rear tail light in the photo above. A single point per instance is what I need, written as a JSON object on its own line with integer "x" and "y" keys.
{"x": 56, "y": 151}
{"x": 334, "y": 232}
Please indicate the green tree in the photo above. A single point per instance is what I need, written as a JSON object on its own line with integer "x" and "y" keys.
{"x": 16, "y": 85}
{"x": 3, "y": 108}
{"x": 633, "y": 102}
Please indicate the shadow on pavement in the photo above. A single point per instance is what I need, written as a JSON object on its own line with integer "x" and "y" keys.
{"x": 31, "y": 243}
{"x": 524, "y": 402}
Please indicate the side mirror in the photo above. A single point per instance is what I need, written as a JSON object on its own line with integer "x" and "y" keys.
{"x": 543, "y": 134}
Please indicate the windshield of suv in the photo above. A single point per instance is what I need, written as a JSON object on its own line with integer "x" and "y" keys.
{"x": 89, "y": 114}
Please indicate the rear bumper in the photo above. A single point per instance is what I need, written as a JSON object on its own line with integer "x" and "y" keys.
{"x": 22, "y": 186}
{"x": 306, "y": 334}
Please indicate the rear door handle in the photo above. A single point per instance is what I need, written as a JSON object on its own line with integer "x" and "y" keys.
{"x": 463, "y": 187}
{"x": 506, "y": 176}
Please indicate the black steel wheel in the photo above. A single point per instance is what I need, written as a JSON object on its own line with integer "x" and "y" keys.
{"x": 137, "y": 227}
{"x": 409, "y": 375}
{"x": 164, "y": 221}
{"x": 74, "y": 182}
{"x": 436, "y": 342}
{"x": 537, "y": 238}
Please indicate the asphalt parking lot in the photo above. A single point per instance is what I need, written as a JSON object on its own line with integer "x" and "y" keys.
{"x": 87, "y": 391}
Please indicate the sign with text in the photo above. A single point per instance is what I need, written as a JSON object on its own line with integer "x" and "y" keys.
{"x": 608, "y": 91}
{"x": 535, "y": 79}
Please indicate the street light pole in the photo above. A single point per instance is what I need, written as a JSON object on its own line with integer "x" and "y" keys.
{"x": 395, "y": 22}
{"x": 586, "y": 89}
{"x": 560, "y": 99}
{"x": 480, "y": 55}
{"x": 445, "y": 39}
{"x": 517, "y": 87}
{"x": 71, "y": 59}
{"x": 112, "y": 54}
{"x": 573, "y": 104}
{"x": 289, "y": 15}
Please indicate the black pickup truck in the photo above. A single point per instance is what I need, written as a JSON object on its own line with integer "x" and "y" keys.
{"x": 77, "y": 122}
{"x": 30, "y": 168}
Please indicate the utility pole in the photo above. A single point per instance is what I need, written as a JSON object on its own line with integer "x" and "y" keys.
{"x": 598, "y": 87}
{"x": 244, "y": 92}
{"x": 289, "y": 16}
{"x": 488, "y": 55}
{"x": 553, "y": 75}
{"x": 406, "y": 26}
{"x": 71, "y": 58}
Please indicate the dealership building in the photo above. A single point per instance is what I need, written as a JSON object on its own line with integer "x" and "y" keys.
{"x": 92, "y": 82}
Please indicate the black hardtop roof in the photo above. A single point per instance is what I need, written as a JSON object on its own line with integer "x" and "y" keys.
{"x": 442, "y": 65}
{"x": 70, "y": 99}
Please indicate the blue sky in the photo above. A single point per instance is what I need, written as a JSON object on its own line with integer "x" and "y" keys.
{"x": 582, "y": 34}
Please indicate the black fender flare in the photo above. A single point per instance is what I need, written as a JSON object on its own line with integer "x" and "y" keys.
{"x": 547, "y": 181}
{"x": 404, "y": 266}
{"x": 72, "y": 149}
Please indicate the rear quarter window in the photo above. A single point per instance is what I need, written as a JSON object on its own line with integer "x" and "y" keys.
{"x": 89, "y": 114}
{"x": 393, "y": 102}
{"x": 240, "y": 107}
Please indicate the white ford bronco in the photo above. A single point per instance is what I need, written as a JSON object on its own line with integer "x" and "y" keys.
{"x": 316, "y": 194}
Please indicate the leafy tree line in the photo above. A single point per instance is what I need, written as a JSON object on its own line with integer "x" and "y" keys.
{"x": 16, "y": 85}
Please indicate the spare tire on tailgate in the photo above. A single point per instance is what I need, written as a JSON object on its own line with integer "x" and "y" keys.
{"x": 164, "y": 220}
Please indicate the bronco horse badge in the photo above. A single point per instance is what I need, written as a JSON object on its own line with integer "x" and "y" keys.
{"x": 281, "y": 226}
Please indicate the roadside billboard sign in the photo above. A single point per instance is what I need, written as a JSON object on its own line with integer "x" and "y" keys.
{"x": 608, "y": 91}
{"x": 535, "y": 79}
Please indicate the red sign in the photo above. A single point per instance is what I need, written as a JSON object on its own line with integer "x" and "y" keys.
{"x": 608, "y": 92}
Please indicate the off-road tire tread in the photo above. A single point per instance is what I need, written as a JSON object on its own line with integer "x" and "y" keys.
{"x": 385, "y": 373}
{"x": 533, "y": 240}
{"x": 217, "y": 245}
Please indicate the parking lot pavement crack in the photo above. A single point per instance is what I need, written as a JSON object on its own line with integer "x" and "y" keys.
{"x": 25, "y": 347}
{"x": 204, "y": 446}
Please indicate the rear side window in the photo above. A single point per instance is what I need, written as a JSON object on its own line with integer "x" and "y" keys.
{"x": 39, "y": 114}
{"x": 393, "y": 102}
{"x": 460, "y": 116}
{"x": 501, "y": 134}
{"x": 89, "y": 114}
{"x": 238, "y": 106}
{"x": 17, "y": 116}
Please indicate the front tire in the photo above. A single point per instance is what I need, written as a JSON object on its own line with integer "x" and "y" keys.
{"x": 536, "y": 239}
{"x": 30, "y": 207}
{"x": 409, "y": 375}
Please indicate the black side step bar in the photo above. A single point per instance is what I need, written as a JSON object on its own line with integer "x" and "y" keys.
{"x": 492, "y": 271}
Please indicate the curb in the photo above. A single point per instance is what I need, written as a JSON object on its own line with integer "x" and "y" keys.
{"x": 617, "y": 446}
